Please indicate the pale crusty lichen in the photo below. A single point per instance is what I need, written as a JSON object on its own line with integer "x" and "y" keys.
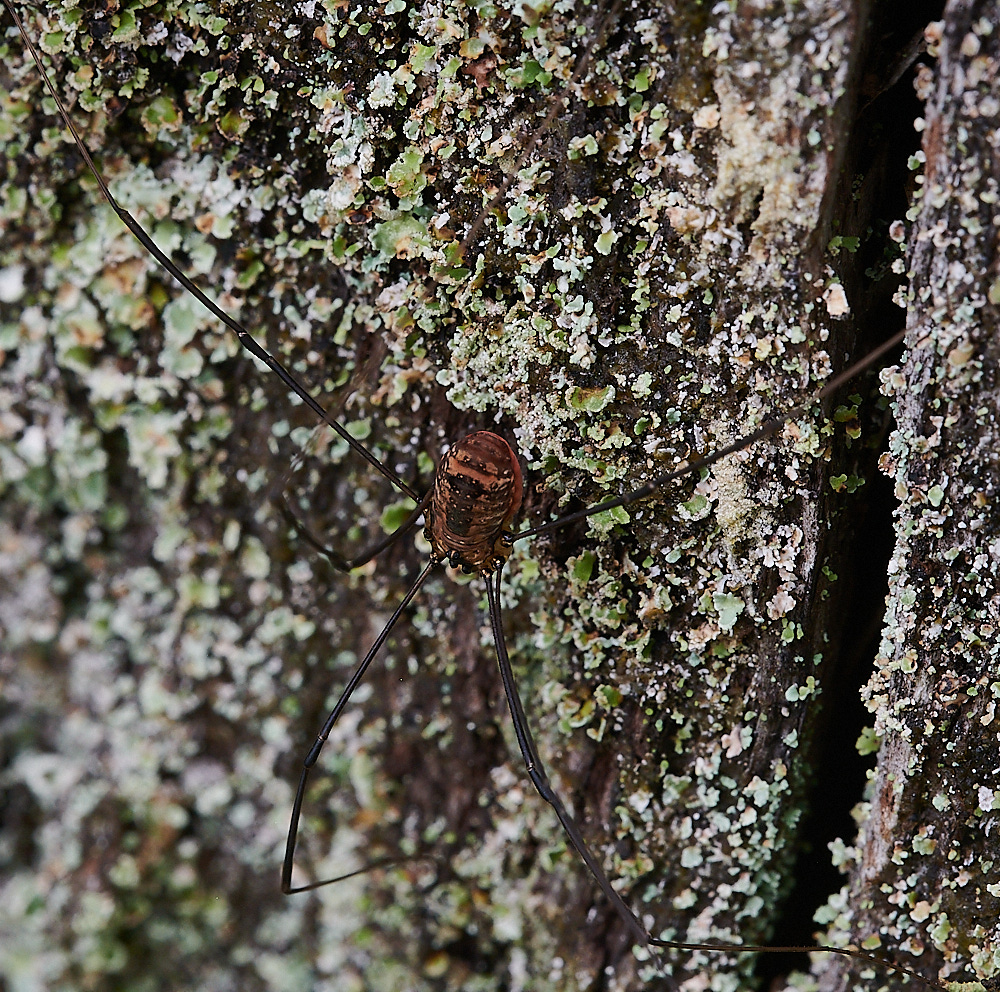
{"x": 319, "y": 168}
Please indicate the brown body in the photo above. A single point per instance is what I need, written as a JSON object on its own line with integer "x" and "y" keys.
{"x": 477, "y": 491}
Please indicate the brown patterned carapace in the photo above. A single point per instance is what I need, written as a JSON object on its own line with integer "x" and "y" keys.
{"x": 477, "y": 491}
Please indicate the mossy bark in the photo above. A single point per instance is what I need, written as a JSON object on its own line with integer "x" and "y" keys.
{"x": 673, "y": 262}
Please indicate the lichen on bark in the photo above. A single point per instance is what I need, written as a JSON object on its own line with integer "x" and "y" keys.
{"x": 657, "y": 279}
{"x": 925, "y": 875}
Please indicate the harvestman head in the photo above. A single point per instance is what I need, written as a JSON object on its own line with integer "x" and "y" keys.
{"x": 469, "y": 515}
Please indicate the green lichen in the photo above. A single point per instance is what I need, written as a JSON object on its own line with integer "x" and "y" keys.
{"x": 320, "y": 176}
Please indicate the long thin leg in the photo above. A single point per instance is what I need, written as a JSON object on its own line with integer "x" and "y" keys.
{"x": 765, "y": 430}
{"x": 529, "y": 752}
{"x": 536, "y": 771}
{"x": 244, "y": 336}
{"x": 328, "y": 725}
{"x": 338, "y": 560}
{"x": 847, "y": 952}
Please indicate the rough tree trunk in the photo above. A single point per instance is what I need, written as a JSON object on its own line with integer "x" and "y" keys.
{"x": 699, "y": 240}
{"x": 924, "y": 873}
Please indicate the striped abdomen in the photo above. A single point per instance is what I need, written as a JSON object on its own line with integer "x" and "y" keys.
{"x": 477, "y": 491}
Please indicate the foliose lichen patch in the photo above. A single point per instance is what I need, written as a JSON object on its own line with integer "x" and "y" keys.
{"x": 652, "y": 284}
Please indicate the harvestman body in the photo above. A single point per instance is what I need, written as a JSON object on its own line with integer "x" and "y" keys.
{"x": 476, "y": 493}
{"x": 468, "y": 514}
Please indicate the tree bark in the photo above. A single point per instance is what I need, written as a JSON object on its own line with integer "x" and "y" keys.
{"x": 673, "y": 262}
{"x": 923, "y": 872}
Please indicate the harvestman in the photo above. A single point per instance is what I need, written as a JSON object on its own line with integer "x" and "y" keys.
{"x": 468, "y": 513}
